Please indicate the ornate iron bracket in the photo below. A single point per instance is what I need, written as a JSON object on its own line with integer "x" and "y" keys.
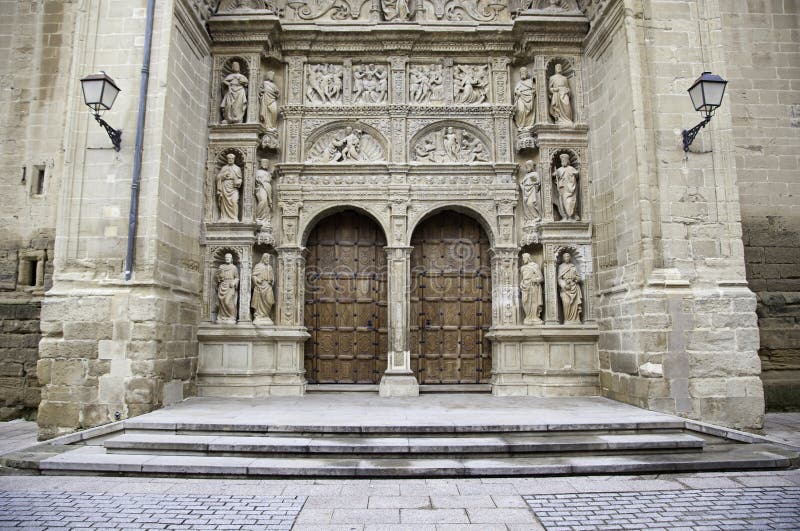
{"x": 689, "y": 136}
{"x": 114, "y": 134}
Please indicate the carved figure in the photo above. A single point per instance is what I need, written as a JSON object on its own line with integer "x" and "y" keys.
{"x": 570, "y": 290}
{"x": 346, "y": 145}
{"x": 425, "y": 83}
{"x": 530, "y": 285}
{"x": 234, "y": 103}
{"x": 229, "y": 180}
{"x": 525, "y": 100}
{"x": 324, "y": 84}
{"x": 530, "y": 185}
{"x": 566, "y": 178}
{"x": 227, "y": 290}
{"x": 263, "y": 299}
{"x": 396, "y": 10}
{"x": 370, "y": 84}
{"x": 263, "y": 193}
{"x": 269, "y": 94}
{"x": 560, "y": 106}
{"x": 470, "y": 83}
{"x": 450, "y": 145}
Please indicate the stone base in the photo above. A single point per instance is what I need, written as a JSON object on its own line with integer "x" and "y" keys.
{"x": 398, "y": 385}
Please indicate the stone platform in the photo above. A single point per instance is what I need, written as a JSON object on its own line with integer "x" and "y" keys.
{"x": 435, "y": 435}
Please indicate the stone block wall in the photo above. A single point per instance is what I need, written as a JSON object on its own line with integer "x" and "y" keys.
{"x": 19, "y": 341}
{"x": 762, "y": 44}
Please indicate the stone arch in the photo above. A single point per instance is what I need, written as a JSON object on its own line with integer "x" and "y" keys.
{"x": 310, "y": 222}
{"x": 318, "y": 136}
{"x": 442, "y": 124}
{"x": 482, "y": 218}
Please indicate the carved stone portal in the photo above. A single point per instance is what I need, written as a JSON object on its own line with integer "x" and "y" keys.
{"x": 451, "y": 145}
{"x": 346, "y": 145}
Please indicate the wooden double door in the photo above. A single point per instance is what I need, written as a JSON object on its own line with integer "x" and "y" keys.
{"x": 346, "y": 301}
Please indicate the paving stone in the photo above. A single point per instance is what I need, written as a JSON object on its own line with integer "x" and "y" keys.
{"x": 464, "y": 502}
{"x": 399, "y": 502}
{"x": 366, "y": 516}
{"x": 433, "y": 516}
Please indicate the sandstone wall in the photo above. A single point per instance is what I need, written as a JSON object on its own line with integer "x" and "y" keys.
{"x": 762, "y": 44}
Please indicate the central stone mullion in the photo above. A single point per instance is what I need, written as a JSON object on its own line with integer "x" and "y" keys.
{"x": 399, "y": 379}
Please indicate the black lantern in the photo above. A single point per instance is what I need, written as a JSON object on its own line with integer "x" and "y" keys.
{"x": 99, "y": 94}
{"x": 706, "y": 93}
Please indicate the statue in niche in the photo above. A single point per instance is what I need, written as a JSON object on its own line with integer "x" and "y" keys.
{"x": 426, "y": 83}
{"x": 570, "y": 290}
{"x": 234, "y": 103}
{"x": 227, "y": 290}
{"x": 525, "y": 100}
{"x": 530, "y": 184}
{"x": 470, "y": 83}
{"x": 324, "y": 84}
{"x": 566, "y": 179}
{"x": 370, "y": 84}
{"x": 263, "y": 193}
{"x": 263, "y": 295}
{"x": 530, "y": 285}
{"x": 229, "y": 181}
{"x": 560, "y": 106}
{"x": 398, "y": 10}
{"x": 269, "y": 94}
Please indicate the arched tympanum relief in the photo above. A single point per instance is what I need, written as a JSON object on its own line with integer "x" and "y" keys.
{"x": 346, "y": 143}
{"x": 450, "y": 143}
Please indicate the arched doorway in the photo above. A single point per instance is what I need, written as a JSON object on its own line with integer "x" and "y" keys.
{"x": 345, "y": 301}
{"x": 451, "y": 303}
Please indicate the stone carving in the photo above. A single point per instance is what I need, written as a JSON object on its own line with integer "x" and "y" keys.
{"x": 346, "y": 145}
{"x": 269, "y": 94}
{"x": 530, "y": 284}
{"x": 263, "y": 193}
{"x": 566, "y": 180}
{"x": 426, "y": 83}
{"x": 335, "y": 9}
{"x": 569, "y": 281}
{"x": 233, "y": 6}
{"x": 227, "y": 290}
{"x": 525, "y": 100}
{"x": 324, "y": 84}
{"x": 560, "y": 106}
{"x": 370, "y": 84}
{"x": 458, "y": 10}
{"x": 450, "y": 145}
{"x": 470, "y": 82}
{"x": 229, "y": 181}
{"x": 396, "y": 10}
{"x": 234, "y": 102}
{"x": 263, "y": 291}
{"x": 530, "y": 184}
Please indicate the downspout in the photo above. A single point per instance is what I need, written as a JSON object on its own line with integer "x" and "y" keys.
{"x": 137, "y": 154}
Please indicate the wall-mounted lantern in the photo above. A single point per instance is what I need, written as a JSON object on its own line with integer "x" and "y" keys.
{"x": 706, "y": 93}
{"x": 99, "y": 94}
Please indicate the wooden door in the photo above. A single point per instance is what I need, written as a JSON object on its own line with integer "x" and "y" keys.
{"x": 345, "y": 301}
{"x": 451, "y": 304}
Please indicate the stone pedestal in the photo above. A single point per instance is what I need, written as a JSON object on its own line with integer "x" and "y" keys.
{"x": 394, "y": 385}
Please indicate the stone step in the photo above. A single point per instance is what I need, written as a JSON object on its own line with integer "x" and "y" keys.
{"x": 350, "y": 445}
{"x": 95, "y": 460}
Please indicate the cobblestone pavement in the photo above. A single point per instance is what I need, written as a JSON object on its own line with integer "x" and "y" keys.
{"x": 712, "y": 509}
{"x": 75, "y": 510}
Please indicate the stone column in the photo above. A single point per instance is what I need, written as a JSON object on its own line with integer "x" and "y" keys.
{"x": 347, "y": 81}
{"x": 447, "y": 82}
{"x": 253, "y": 85}
{"x": 550, "y": 285}
{"x": 291, "y": 271}
{"x": 245, "y": 270}
{"x": 398, "y": 380}
{"x": 295, "y": 73}
{"x": 505, "y": 306}
{"x": 500, "y": 78}
{"x": 540, "y": 75}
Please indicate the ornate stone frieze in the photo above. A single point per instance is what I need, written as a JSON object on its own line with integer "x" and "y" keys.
{"x": 346, "y": 145}
{"x": 324, "y": 84}
{"x": 470, "y": 84}
{"x": 450, "y": 145}
{"x": 327, "y": 9}
{"x": 466, "y": 10}
{"x": 370, "y": 84}
{"x": 426, "y": 84}
{"x": 233, "y": 7}
{"x": 554, "y": 7}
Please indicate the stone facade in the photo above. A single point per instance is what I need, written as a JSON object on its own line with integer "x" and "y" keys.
{"x": 419, "y": 108}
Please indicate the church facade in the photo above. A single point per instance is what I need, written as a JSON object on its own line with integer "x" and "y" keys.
{"x": 455, "y": 194}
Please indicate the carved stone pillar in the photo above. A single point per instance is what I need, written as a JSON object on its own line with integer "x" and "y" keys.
{"x": 291, "y": 272}
{"x": 540, "y": 74}
{"x": 295, "y": 73}
{"x": 505, "y": 219}
{"x": 505, "y": 304}
{"x": 253, "y": 85}
{"x": 248, "y": 186}
{"x": 290, "y": 214}
{"x": 447, "y": 64}
{"x": 500, "y": 81}
{"x": 245, "y": 272}
{"x": 398, "y": 89}
{"x": 347, "y": 81}
{"x": 398, "y": 380}
{"x": 550, "y": 284}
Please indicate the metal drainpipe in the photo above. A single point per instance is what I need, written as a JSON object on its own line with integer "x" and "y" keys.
{"x": 137, "y": 154}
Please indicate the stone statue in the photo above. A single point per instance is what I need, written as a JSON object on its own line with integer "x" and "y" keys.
{"x": 229, "y": 180}
{"x": 227, "y": 290}
{"x": 324, "y": 84}
{"x": 396, "y": 10}
{"x": 263, "y": 295}
{"x": 345, "y": 145}
{"x": 470, "y": 83}
{"x": 234, "y": 103}
{"x": 566, "y": 178}
{"x": 425, "y": 83}
{"x": 370, "y": 84}
{"x": 524, "y": 100}
{"x": 570, "y": 290}
{"x": 530, "y": 184}
{"x": 269, "y": 101}
{"x": 451, "y": 145}
{"x": 560, "y": 106}
{"x": 530, "y": 284}
{"x": 263, "y": 193}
